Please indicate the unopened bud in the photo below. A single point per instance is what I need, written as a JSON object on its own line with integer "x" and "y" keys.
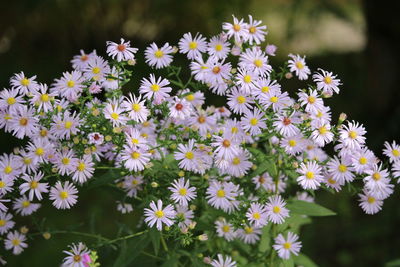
{"x": 46, "y": 235}
{"x": 288, "y": 75}
{"x": 24, "y": 230}
{"x": 154, "y": 184}
{"x": 342, "y": 117}
{"x": 203, "y": 237}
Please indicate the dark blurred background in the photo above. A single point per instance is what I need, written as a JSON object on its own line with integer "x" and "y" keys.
{"x": 358, "y": 40}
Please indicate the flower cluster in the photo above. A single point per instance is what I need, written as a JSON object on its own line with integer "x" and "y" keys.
{"x": 197, "y": 171}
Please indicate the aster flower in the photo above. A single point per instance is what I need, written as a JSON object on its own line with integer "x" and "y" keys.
{"x": 6, "y": 222}
{"x": 293, "y": 144}
{"x": 6, "y": 184}
{"x": 33, "y": 185}
{"x": 297, "y": 64}
{"x": 183, "y": 216}
{"x": 239, "y": 101}
{"x": 84, "y": 169}
{"x": 122, "y": 51}
{"x": 369, "y": 203}
{"x": 322, "y": 134}
{"x": 249, "y": 234}
{"x": 326, "y": 82}
{"x": 253, "y": 122}
{"x": 238, "y": 166}
{"x": 245, "y": 80}
{"x": 136, "y": 108}
{"x": 132, "y": 184}
{"x": 377, "y": 182}
{"x": 187, "y": 156}
{"x": 15, "y": 241}
{"x": 192, "y": 46}
{"x": 42, "y": 99}
{"x": 115, "y": 114}
{"x": 97, "y": 68}
{"x": 25, "y": 207}
{"x": 285, "y": 125}
{"x": 392, "y": 151}
{"x": 124, "y": 208}
{"x": 270, "y": 49}
{"x": 155, "y": 89}
{"x": 63, "y": 196}
{"x": 287, "y": 246}
{"x": 134, "y": 158}
{"x": 179, "y": 109}
{"x": 238, "y": 30}
{"x": 275, "y": 209}
{"x": 225, "y": 229}
{"x": 181, "y": 192}
{"x": 311, "y": 177}
{"x": 311, "y": 101}
{"x": 158, "y": 215}
{"x": 257, "y": 215}
{"x": 223, "y": 261}
{"x": 218, "y": 47}
{"x": 264, "y": 86}
{"x": 65, "y": 124}
{"x": 352, "y": 135}
{"x": 9, "y": 166}
{"x": 23, "y": 84}
{"x": 276, "y": 100}
{"x": 77, "y": 256}
{"x": 221, "y": 195}
{"x": 80, "y": 62}
{"x": 159, "y": 57}
{"x": 256, "y": 61}
{"x": 225, "y": 147}
{"x": 340, "y": 170}
{"x": 10, "y": 100}
{"x": 65, "y": 161}
{"x": 24, "y": 122}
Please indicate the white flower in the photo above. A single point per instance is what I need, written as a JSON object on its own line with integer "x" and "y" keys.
{"x": 5, "y": 222}
{"x": 322, "y": 134}
{"x": 80, "y": 62}
{"x": 311, "y": 177}
{"x": 24, "y": 207}
{"x": 63, "y": 196}
{"x": 223, "y": 262}
{"x": 255, "y": 61}
{"x": 124, "y": 207}
{"x": 392, "y": 151}
{"x": 225, "y": 229}
{"x": 180, "y": 109}
{"x": 23, "y": 84}
{"x": 253, "y": 122}
{"x": 157, "y": 215}
{"x": 225, "y": 147}
{"x": 257, "y": 215}
{"x": 218, "y": 47}
{"x": 69, "y": 86}
{"x": 136, "y": 108}
{"x": 84, "y": 169}
{"x": 221, "y": 195}
{"x": 33, "y": 185}
{"x": 326, "y": 82}
{"x": 115, "y": 114}
{"x": 352, "y": 135}
{"x": 155, "y": 89}
{"x": 285, "y": 125}
{"x": 181, "y": 192}
{"x": 377, "y": 182}
{"x": 16, "y": 242}
{"x": 311, "y": 100}
{"x": 96, "y": 68}
{"x": 122, "y": 51}
{"x": 77, "y": 256}
{"x": 159, "y": 57}
{"x": 275, "y": 208}
{"x": 369, "y": 203}
{"x": 239, "y": 30}
{"x": 297, "y": 64}
{"x": 9, "y": 99}
{"x": 249, "y": 234}
{"x": 24, "y": 122}
{"x": 340, "y": 170}
{"x": 239, "y": 101}
{"x": 238, "y": 165}
{"x": 193, "y": 47}
{"x": 285, "y": 247}
{"x": 135, "y": 158}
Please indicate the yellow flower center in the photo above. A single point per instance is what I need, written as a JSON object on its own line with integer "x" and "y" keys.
{"x": 155, "y": 87}
{"x": 135, "y": 141}
{"x": 311, "y": 99}
{"x": 190, "y": 97}
{"x": 247, "y": 78}
{"x": 25, "y": 203}
{"x": 135, "y": 155}
{"x": 218, "y": 47}
{"x": 70, "y": 83}
{"x": 114, "y": 116}
{"x": 236, "y": 161}
{"x": 331, "y": 181}
{"x": 201, "y": 119}
{"x": 63, "y": 194}
{"x": 2, "y": 184}
{"x": 226, "y": 143}
{"x": 33, "y": 184}
{"x": 8, "y": 169}
{"x": 15, "y": 242}
{"x": 234, "y": 130}
{"x": 396, "y": 153}
{"x": 81, "y": 166}
{"x": 77, "y": 258}
{"x": 216, "y": 70}
{"x": 353, "y": 134}
{"x": 159, "y": 213}
{"x": 309, "y": 175}
{"x": 342, "y": 168}
{"x": 371, "y": 200}
{"x": 39, "y": 151}
{"x": 23, "y": 121}
{"x": 96, "y": 70}
{"x": 376, "y": 176}
{"x": 256, "y": 215}
{"x": 25, "y": 82}
{"x": 328, "y": 80}
{"x": 287, "y": 245}
{"x": 182, "y": 191}
{"x": 226, "y": 228}
{"x": 65, "y": 161}
{"x": 274, "y": 99}
{"x": 248, "y": 230}
{"x": 265, "y": 89}
{"x": 241, "y": 99}
{"x": 299, "y": 65}
{"x": 158, "y": 54}
{"x": 44, "y": 98}
{"x": 276, "y": 209}
{"x": 189, "y": 155}
{"x": 322, "y": 130}
{"x": 136, "y": 107}
{"x": 258, "y": 63}
{"x": 220, "y": 193}
{"x": 27, "y": 161}
{"x": 68, "y": 124}
{"x": 192, "y": 45}
{"x": 2, "y": 223}
{"x": 236, "y": 27}
{"x": 253, "y": 121}
{"x": 363, "y": 160}
{"x": 11, "y": 101}
{"x": 252, "y": 29}
{"x": 292, "y": 143}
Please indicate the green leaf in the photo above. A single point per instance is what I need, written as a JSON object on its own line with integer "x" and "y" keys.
{"x": 393, "y": 263}
{"x": 171, "y": 262}
{"x": 304, "y": 261}
{"x": 265, "y": 242}
{"x": 106, "y": 178}
{"x": 130, "y": 249}
{"x": 155, "y": 237}
{"x": 288, "y": 263}
{"x": 308, "y": 208}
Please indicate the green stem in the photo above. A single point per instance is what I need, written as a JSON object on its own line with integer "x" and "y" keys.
{"x": 126, "y": 237}
{"x": 151, "y": 255}
{"x": 163, "y": 243}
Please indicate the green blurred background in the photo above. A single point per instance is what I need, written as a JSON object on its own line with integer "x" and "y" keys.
{"x": 358, "y": 40}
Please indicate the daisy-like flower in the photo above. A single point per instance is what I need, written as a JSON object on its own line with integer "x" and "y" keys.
{"x": 24, "y": 207}
{"x": 223, "y": 261}
{"x": 5, "y": 222}
{"x": 135, "y": 138}
{"x": 122, "y": 51}
{"x": 225, "y": 229}
{"x": 293, "y": 144}
{"x": 124, "y": 208}
{"x": 155, "y": 89}
{"x": 264, "y": 86}
{"x": 16, "y": 242}
{"x": 184, "y": 216}
{"x": 312, "y": 102}
{"x": 286, "y": 246}
{"x": 238, "y": 30}
{"x": 80, "y": 62}
{"x": 6, "y": 184}
{"x": 257, "y": 215}
{"x": 253, "y": 122}
{"x": 33, "y": 185}
{"x": 363, "y": 159}
{"x": 298, "y": 65}
{"x": 63, "y": 196}
{"x": 377, "y": 182}
{"x": 24, "y": 122}
{"x": 225, "y": 147}
{"x": 159, "y": 57}
{"x": 65, "y": 162}
{"x": 326, "y": 82}
{"x": 285, "y": 125}
{"x": 216, "y": 73}
{"x": 311, "y": 177}
{"x": 352, "y": 135}
{"x": 196, "y": 99}
{"x": 69, "y": 86}
{"x": 322, "y": 134}
{"x": 114, "y": 113}
{"x": 9, "y": 166}
{"x": 221, "y": 195}
{"x": 135, "y": 158}
{"x": 10, "y": 100}
{"x": 23, "y": 84}
{"x": 65, "y": 124}
{"x": 249, "y": 234}
{"x": 180, "y": 109}
{"x": 239, "y": 101}
{"x": 136, "y": 108}
{"x": 257, "y": 32}
{"x": 158, "y": 215}
{"x": 256, "y": 61}
{"x": 27, "y": 162}
{"x": 270, "y": 49}
{"x": 96, "y": 138}
{"x": 84, "y": 168}
{"x": 97, "y": 68}
{"x": 187, "y": 156}
{"x": 392, "y": 151}
{"x": 182, "y": 193}
{"x": 132, "y": 184}
{"x": 340, "y": 170}
{"x": 77, "y": 256}
{"x": 396, "y": 170}
{"x": 245, "y": 80}
{"x": 218, "y": 47}
{"x": 43, "y": 99}
{"x": 275, "y": 209}
{"x": 276, "y": 100}
{"x": 332, "y": 183}
{"x": 369, "y": 203}
{"x": 192, "y": 46}
{"x": 238, "y": 165}
{"x": 202, "y": 122}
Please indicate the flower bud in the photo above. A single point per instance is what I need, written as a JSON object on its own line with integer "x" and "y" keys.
{"x": 46, "y": 235}
{"x": 342, "y": 117}
{"x": 154, "y": 184}
{"x": 108, "y": 138}
{"x": 24, "y": 230}
{"x": 203, "y": 237}
{"x": 131, "y": 62}
{"x": 288, "y": 75}
{"x": 207, "y": 260}
{"x": 181, "y": 174}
